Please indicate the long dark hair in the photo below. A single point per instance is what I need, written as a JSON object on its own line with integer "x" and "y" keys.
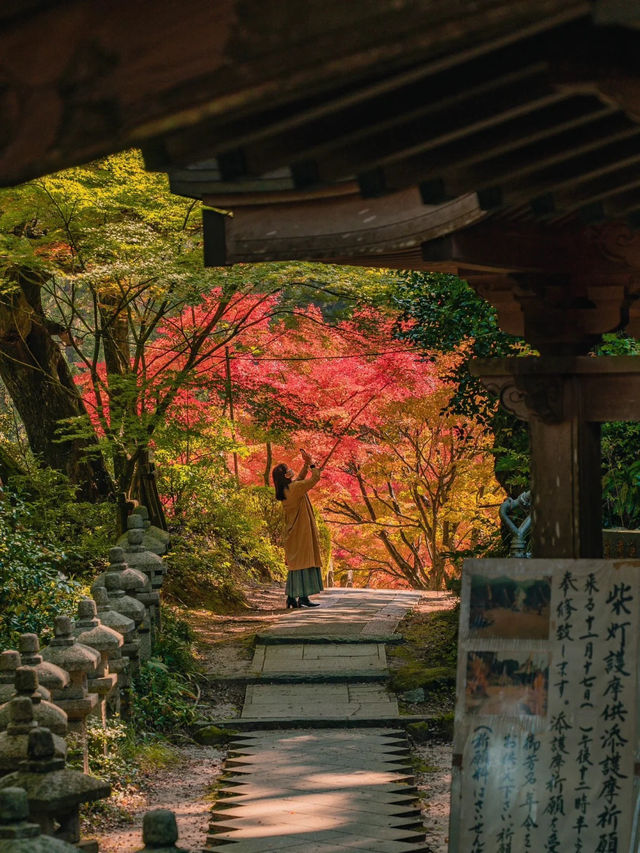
{"x": 280, "y": 480}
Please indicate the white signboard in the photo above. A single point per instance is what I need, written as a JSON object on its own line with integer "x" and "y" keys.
{"x": 546, "y": 731}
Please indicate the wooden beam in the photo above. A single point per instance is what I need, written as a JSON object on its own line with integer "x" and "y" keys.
{"x": 313, "y": 124}
{"x": 317, "y": 116}
{"x": 345, "y": 228}
{"x": 610, "y": 385}
{"x": 506, "y": 168}
{"x": 553, "y": 181}
{"x": 607, "y": 183}
{"x": 507, "y": 248}
{"x": 495, "y": 141}
{"x": 474, "y": 108}
{"x": 81, "y": 79}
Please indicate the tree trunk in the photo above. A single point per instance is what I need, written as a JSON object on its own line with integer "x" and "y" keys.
{"x": 267, "y": 467}
{"x": 41, "y": 387}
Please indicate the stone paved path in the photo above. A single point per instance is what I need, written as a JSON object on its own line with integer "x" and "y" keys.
{"x": 304, "y": 788}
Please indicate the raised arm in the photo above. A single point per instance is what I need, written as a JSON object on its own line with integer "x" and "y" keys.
{"x": 302, "y": 474}
{"x": 305, "y": 485}
{"x": 308, "y": 462}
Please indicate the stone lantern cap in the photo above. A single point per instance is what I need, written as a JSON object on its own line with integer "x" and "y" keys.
{"x": 108, "y": 616}
{"x": 91, "y": 632}
{"x": 66, "y": 652}
{"x": 9, "y": 662}
{"x": 132, "y": 580}
{"x": 18, "y": 834}
{"x": 51, "y": 787}
{"x": 45, "y": 713}
{"x": 120, "y": 601}
{"x": 14, "y": 741}
{"x": 150, "y": 538}
{"x": 163, "y": 535}
{"x": 51, "y": 676}
{"x": 160, "y": 832}
{"x": 136, "y": 552}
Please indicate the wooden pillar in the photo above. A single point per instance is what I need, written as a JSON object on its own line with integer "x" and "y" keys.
{"x": 566, "y": 489}
{"x": 565, "y": 399}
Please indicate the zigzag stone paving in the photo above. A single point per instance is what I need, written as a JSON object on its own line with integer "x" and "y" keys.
{"x": 304, "y": 787}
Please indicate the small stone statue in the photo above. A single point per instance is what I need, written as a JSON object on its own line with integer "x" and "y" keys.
{"x": 49, "y": 675}
{"x": 9, "y": 662}
{"x": 160, "y": 832}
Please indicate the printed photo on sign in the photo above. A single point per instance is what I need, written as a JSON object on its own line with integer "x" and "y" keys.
{"x": 507, "y": 683}
{"x": 509, "y": 608}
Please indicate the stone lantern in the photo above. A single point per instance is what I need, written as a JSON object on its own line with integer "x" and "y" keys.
{"x": 45, "y": 713}
{"x": 9, "y": 662}
{"x": 18, "y": 834}
{"x": 49, "y": 675}
{"x": 121, "y": 660}
{"x": 79, "y": 660}
{"x": 160, "y": 832}
{"x": 14, "y": 741}
{"x": 138, "y": 556}
{"x": 135, "y": 584}
{"x": 54, "y": 793}
{"x": 129, "y": 606}
{"x": 90, "y": 631}
{"x": 155, "y": 539}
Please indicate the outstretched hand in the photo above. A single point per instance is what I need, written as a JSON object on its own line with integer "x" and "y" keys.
{"x": 306, "y": 456}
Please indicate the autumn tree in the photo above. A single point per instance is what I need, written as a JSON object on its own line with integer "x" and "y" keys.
{"x": 405, "y": 487}
{"x": 106, "y": 311}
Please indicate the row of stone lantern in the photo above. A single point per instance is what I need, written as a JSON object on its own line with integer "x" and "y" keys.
{"x": 85, "y": 669}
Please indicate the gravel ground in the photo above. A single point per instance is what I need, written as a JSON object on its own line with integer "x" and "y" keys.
{"x": 184, "y": 787}
{"x": 433, "y": 779}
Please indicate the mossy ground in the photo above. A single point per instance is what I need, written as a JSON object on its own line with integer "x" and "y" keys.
{"x": 427, "y": 659}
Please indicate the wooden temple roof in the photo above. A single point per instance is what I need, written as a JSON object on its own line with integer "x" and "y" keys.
{"x": 496, "y": 139}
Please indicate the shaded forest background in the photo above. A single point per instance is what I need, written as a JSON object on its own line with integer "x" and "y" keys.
{"x": 118, "y": 348}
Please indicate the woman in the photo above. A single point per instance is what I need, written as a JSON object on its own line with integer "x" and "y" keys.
{"x": 301, "y": 544}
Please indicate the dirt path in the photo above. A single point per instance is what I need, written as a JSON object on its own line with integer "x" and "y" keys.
{"x": 184, "y": 787}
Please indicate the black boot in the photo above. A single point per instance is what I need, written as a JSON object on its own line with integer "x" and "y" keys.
{"x": 303, "y": 601}
{"x": 291, "y": 602}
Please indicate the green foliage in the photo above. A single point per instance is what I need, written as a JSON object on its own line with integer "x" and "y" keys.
{"x": 621, "y": 475}
{"x": 33, "y": 586}
{"x": 164, "y": 697}
{"x": 84, "y": 531}
{"x": 162, "y": 701}
{"x": 441, "y": 313}
{"x": 620, "y": 458}
{"x": 174, "y": 645}
{"x": 225, "y": 534}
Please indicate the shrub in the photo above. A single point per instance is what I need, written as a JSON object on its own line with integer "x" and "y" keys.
{"x": 33, "y": 586}
{"x": 164, "y": 696}
{"x": 221, "y": 542}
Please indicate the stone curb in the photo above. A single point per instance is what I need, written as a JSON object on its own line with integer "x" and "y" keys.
{"x": 284, "y": 639}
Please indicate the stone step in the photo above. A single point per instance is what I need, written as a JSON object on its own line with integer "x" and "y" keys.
{"x": 301, "y": 678}
{"x": 238, "y": 724}
{"x": 283, "y": 639}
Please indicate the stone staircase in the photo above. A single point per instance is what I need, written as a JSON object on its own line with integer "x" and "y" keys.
{"x": 321, "y": 764}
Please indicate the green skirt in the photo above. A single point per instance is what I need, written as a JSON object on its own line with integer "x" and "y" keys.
{"x": 304, "y": 582}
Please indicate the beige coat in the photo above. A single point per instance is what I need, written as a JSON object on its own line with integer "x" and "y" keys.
{"x": 301, "y": 542}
